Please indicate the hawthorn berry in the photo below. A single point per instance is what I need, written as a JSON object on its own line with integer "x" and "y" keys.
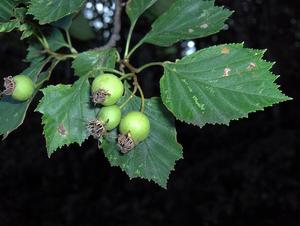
{"x": 107, "y": 89}
{"x": 19, "y": 87}
{"x": 108, "y": 118}
{"x": 134, "y": 128}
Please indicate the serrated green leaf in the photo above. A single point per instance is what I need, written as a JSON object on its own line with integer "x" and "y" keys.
{"x": 219, "y": 84}
{"x": 9, "y": 26}
{"x": 56, "y": 40}
{"x": 64, "y": 23}
{"x": 20, "y": 13}
{"x": 34, "y": 53}
{"x": 6, "y": 9}
{"x": 154, "y": 158}
{"x": 18, "y": 23}
{"x": 66, "y": 110}
{"x": 27, "y": 31}
{"x": 12, "y": 113}
{"x": 91, "y": 63}
{"x": 47, "y": 11}
{"x": 187, "y": 19}
{"x": 135, "y": 8}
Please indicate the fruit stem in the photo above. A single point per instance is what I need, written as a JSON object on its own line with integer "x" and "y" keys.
{"x": 59, "y": 56}
{"x": 149, "y": 65}
{"x": 142, "y": 98}
{"x": 105, "y": 69}
{"x": 126, "y": 76}
{"x": 53, "y": 65}
{"x": 130, "y": 97}
{"x": 135, "y": 83}
{"x": 118, "y": 56}
{"x": 43, "y": 41}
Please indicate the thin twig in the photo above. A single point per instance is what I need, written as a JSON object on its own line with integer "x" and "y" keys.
{"x": 149, "y": 65}
{"x": 117, "y": 28}
{"x": 135, "y": 83}
{"x": 129, "y": 66}
{"x": 127, "y": 76}
{"x": 53, "y": 65}
{"x": 58, "y": 56}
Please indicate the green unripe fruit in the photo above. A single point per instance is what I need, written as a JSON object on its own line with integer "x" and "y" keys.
{"x": 107, "y": 89}
{"x": 24, "y": 88}
{"x": 136, "y": 125}
{"x": 20, "y": 87}
{"x": 110, "y": 116}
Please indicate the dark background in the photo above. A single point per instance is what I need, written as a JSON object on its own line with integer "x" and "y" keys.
{"x": 245, "y": 174}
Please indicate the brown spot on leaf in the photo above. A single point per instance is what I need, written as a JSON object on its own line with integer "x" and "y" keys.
{"x": 225, "y": 50}
{"x": 251, "y": 66}
{"x": 226, "y": 72}
{"x": 62, "y": 130}
{"x": 204, "y": 26}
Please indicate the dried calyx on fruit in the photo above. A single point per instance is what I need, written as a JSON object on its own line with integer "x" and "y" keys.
{"x": 9, "y": 86}
{"x": 107, "y": 119}
{"x": 96, "y": 128}
{"x": 107, "y": 89}
{"x": 134, "y": 128}
{"x": 125, "y": 143}
{"x": 19, "y": 87}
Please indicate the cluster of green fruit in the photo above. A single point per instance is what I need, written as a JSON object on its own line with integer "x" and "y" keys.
{"x": 107, "y": 89}
{"x": 134, "y": 127}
